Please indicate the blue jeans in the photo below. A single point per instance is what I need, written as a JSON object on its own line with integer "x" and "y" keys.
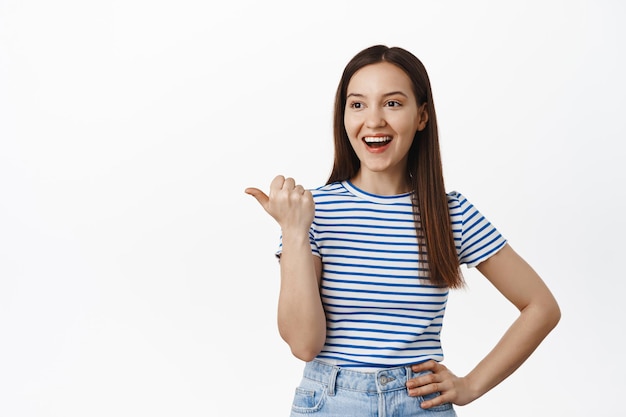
{"x": 332, "y": 391}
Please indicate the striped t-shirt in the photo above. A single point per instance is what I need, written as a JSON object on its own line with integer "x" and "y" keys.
{"x": 381, "y": 309}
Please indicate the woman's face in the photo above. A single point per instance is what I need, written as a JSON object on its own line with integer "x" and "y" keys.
{"x": 381, "y": 118}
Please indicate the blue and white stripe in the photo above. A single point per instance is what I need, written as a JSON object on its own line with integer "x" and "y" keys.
{"x": 380, "y": 306}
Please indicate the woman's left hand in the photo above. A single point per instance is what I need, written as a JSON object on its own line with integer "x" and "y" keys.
{"x": 452, "y": 389}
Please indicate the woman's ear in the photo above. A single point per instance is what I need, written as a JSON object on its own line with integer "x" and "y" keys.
{"x": 422, "y": 117}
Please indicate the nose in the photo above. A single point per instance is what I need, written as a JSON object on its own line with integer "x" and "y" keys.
{"x": 374, "y": 118}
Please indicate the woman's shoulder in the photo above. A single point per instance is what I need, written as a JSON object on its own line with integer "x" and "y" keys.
{"x": 458, "y": 204}
{"x": 455, "y": 199}
{"x": 333, "y": 188}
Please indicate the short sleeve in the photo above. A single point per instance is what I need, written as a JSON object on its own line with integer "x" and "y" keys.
{"x": 475, "y": 238}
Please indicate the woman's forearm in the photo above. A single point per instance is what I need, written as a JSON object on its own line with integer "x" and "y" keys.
{"x": 525, "y": 334}
{"x": 539, "y": 314}
{"x": 301, "y": 318}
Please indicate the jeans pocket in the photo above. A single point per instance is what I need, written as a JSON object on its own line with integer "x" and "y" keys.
{"x": 309, "y": 397}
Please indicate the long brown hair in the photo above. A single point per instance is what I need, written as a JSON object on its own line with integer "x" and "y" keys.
{"x": 424, "y": 170}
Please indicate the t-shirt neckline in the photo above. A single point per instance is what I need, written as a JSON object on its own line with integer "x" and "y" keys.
{"x": 375, "y": 198}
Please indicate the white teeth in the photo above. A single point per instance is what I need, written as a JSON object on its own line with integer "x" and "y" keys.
{"x": 376, "y": 139}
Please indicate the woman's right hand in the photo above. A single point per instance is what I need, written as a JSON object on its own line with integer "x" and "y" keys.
{"x": 288, "y": 203}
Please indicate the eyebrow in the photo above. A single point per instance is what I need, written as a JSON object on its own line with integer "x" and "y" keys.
{"x": 393, "y": 93}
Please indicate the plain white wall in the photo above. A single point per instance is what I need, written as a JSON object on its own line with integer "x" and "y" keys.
{"x": 136, "y": 277}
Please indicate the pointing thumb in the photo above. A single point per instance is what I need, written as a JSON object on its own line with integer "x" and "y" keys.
{"x": 260, "y": 196}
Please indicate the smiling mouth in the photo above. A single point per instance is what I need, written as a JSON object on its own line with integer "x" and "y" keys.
{"x": 376, "y": 141}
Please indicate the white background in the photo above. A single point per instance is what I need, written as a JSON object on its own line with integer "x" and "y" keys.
{"x": 137, "y": 278}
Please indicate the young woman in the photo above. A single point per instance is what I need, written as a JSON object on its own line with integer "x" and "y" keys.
{"x": 367, "y": 260}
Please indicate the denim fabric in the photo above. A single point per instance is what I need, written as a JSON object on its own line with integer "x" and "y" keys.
{"x": 332, "y": 391}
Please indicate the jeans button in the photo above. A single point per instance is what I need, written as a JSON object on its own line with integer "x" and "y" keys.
{"x": 384, "y": 379}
